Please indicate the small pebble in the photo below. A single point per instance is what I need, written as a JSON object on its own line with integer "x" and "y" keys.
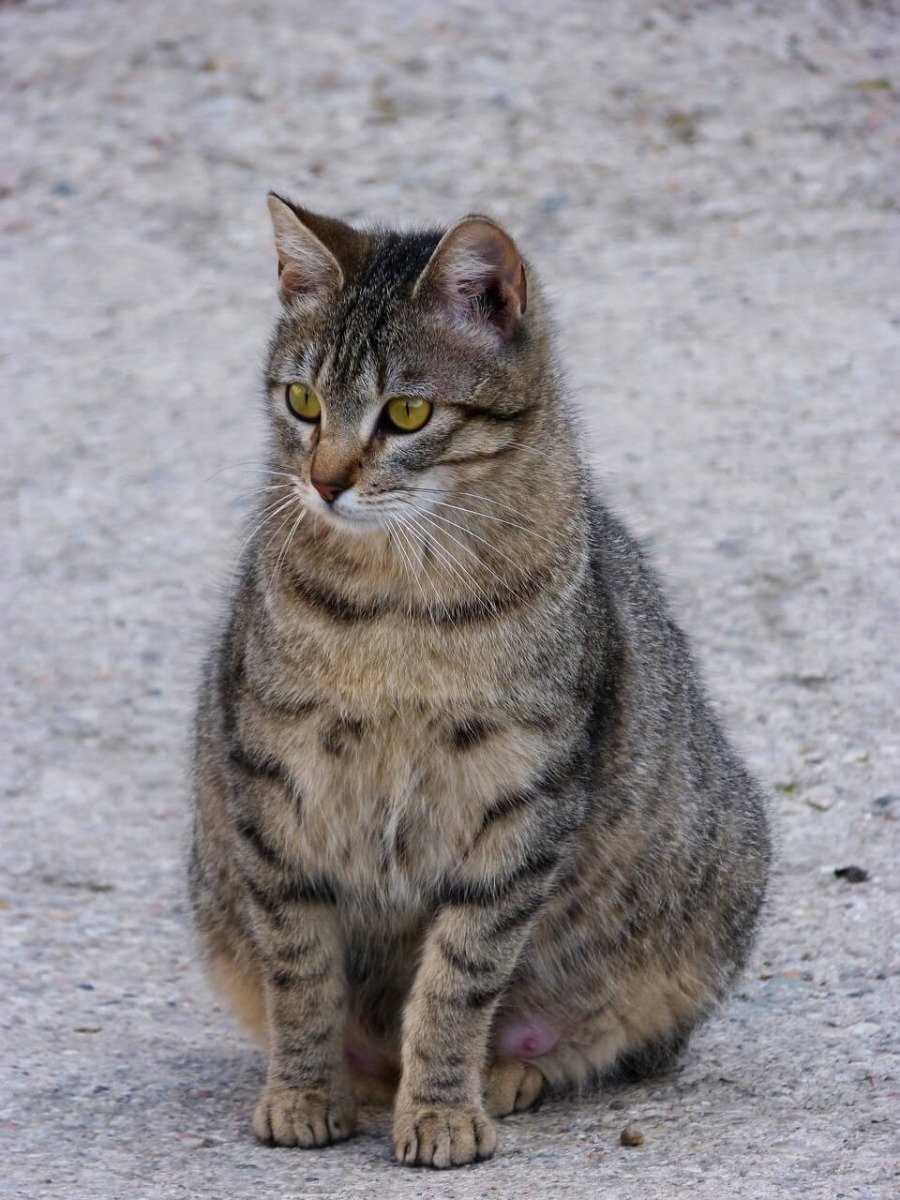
{"x": 821, "y": 799}
{"x": 631, "y": 1136}
{"x": 852, "y": 874}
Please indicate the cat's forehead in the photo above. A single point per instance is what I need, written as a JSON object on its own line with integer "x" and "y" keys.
{"x": 371, "y": 339}
{"x": 374, "y": 316}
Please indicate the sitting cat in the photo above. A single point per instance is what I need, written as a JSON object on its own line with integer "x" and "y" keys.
{"x": 464, "y": 819}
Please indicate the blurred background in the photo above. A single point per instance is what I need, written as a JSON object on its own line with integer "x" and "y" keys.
{"x": 711, "y": 194}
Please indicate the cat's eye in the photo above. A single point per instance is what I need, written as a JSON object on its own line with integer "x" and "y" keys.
{"x": 407, "y": 413}
{"x": 303, "y": 402}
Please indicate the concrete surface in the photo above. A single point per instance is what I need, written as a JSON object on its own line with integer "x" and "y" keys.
{"x": 711, "y": 191}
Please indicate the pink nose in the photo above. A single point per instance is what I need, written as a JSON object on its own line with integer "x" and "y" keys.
{"x": 329, "y": 490}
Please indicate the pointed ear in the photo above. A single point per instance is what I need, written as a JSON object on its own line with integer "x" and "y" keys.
{"x": 478, "y": 275}
{"x": 314, "y": 253}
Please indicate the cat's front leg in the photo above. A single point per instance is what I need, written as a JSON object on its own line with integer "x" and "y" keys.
{"x": 307, "y": 1100}
{"x": 470, "y": 954}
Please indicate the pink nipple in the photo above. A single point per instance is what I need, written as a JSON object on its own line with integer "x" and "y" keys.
{"x": 527, "y": 1037}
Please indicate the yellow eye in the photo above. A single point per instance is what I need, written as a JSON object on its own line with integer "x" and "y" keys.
{"x": 408, "y": 413}
{"x": 303, "y": 402}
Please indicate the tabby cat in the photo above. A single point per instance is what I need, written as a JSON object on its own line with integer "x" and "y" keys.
{"x": 465, "y": 823}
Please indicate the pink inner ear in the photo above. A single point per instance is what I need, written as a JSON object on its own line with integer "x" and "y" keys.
{"x": 528, "y": 1037}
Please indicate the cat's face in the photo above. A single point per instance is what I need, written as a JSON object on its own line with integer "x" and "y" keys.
{"x": 395, "y": 376}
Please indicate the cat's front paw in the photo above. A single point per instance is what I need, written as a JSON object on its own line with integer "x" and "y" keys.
{"x": 293, "y": 1117}
{"x": 512, "y": 1086}
{"x": 437, "y": 1136}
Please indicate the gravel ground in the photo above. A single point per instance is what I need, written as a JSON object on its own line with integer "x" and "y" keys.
{"x": 711, "y": 193}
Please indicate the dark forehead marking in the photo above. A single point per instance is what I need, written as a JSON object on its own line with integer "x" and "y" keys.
{"x": 396, "y": 261}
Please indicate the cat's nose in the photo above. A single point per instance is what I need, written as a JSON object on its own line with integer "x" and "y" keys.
{"x": 330, "y": 489}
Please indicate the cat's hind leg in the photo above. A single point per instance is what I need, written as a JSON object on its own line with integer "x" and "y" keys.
{"x": 239, "y": 982}
{"x": 532, "y": 1060}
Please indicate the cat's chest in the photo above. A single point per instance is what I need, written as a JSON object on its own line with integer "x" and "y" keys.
{"x": 390, "y": 803}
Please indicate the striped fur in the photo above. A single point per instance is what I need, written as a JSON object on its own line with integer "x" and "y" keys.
{"x": 455, "y": 773}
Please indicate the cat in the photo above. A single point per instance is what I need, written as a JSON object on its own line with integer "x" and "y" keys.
{"x": 464, "y": 820}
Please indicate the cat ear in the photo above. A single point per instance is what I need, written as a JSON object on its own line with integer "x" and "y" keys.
{"x": 478, "y": 275}
{"x": 314, "y": 253}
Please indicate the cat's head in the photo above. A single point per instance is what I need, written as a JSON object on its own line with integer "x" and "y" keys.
{"x": 404, "y": 366}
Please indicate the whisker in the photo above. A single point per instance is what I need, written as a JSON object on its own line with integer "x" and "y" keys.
{"x": 408, "y": 533}
{"x": 452, "y": 491}
{"x": 261, "y": 467}
{"x": 403, "y": 555}
{"x": 433, "y": 517}
{"x": 278, "y": 506}
{"x": 279, "y": 561}
{"x": 261, "y": 491}
{"x": 502, "y": 520}
{"x": 450, "y": 562}
{"x": 471, "y": 532}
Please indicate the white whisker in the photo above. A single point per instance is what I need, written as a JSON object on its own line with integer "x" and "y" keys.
{"x": 447, "y": 560}
{"x": 502, "y": 520}
{"x": 403, "y": 553}
{"x": 278, "y": 506}
{"x": 408, "y": 534}
{"x": 279, "y": 561}
{"x": 432, "y": 518}
{"x": 471, "y": 532}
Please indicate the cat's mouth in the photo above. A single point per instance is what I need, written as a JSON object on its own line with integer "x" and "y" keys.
{"x": 350, "y": 513}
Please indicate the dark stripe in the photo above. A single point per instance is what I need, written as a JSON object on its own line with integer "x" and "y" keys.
{"x": 450, "y": 1061}
{"x": 438, "y": 1099}
{"x": 310, "y": 891}
{"x": 351, "y": 301}
{"x": 282, "y": 706}
{"x": 511, "y": 803}
{"x": 483, "y": 610}
{"x": 535, "y": 864}
{"x": 443, "y": 1083}
{"x": 574, "y": 910}
{"x": 482, "y": 997}
{"x": 265, "y": 900}
{"x": 368, "y": 343}
{"x": 306, "y": 1038}
{"x": 334, "y": 739}
{"x": 342, "y": 608}
{"x": 515, "y": 917}
{"x": 297, "y": 891}
{"x": 467, "y": 734}
{"x": 559, "y": 774}
{"x": 337, "y": 606}
{"x": 288, "y": 979}
{"x": 251, "y": 835}
{"x": 492, "y": 414}
{"x": 262, "y": 766}
{"x": 482, "y": 456}
{"x": 401, "y": 842}
{"x": 543, "y": 722}
{"x": 461, "y": 961}
{"x": 296, "y": 952}
{"x": 319, "y": 1037}
{"x": 299, "y": 1078}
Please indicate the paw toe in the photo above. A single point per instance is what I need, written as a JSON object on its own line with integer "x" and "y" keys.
{"x": 512, "y": 1086}
{"x": 443, "y": 1137}
{"x": 292, "y": 1117}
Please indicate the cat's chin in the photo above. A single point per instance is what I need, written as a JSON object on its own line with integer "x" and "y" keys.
{"x": 352, "y": 524}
